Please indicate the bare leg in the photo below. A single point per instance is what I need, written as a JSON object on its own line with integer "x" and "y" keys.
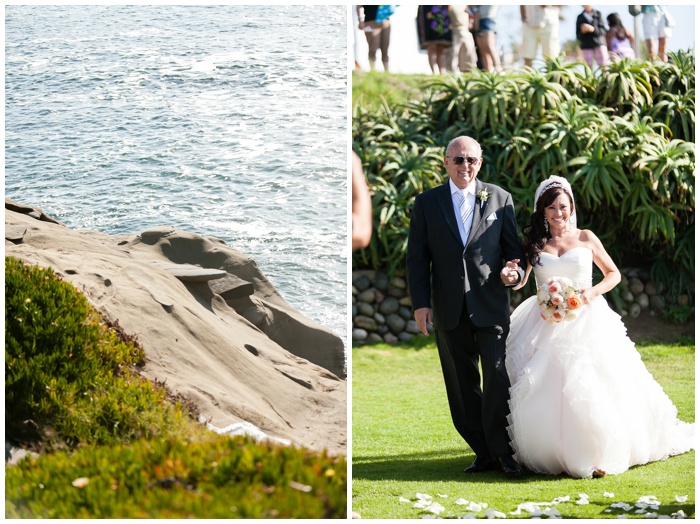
{"x": 650, "y": 48}
{"x": 662, "y": 49}
{"x": 433, "y": 57}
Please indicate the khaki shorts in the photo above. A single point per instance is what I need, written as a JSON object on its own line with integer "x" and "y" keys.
{"x": 547, "y": 36}
{"x": 655, "y": 26}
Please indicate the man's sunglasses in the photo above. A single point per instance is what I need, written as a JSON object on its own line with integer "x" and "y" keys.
{"x": 459, "y": 160}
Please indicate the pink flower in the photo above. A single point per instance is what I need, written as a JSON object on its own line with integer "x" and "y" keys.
{"x": 557, "y": 299}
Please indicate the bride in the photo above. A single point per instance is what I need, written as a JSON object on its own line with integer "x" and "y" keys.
{"x": 582, "y": 402}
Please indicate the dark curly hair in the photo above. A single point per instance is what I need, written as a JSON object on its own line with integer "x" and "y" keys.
{"x": 535, "y": 234}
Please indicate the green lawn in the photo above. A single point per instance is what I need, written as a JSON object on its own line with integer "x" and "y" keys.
{"x": 403, "y": 444}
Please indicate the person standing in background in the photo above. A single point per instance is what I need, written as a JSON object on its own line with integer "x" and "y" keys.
{"x": 361, "y": 206}
{"x": 657, "y": 25}
{"x": 461, "y": 23}
{"x": 434, "y": 35}
{"x": 540, "y": 27}
{"x": 620, "y": 41}
{"x": 591, "y": 32}
{"x": 485, "y": 22}
{"x": 374, "y": 21}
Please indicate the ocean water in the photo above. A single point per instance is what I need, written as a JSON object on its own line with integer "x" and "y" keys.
{"x": 221, "y": 120}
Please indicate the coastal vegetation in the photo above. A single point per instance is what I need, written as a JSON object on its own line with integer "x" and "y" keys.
{"x": 404, "y": 444}
{"x": 623, "y": 135}
{"x": 106, "y": 443}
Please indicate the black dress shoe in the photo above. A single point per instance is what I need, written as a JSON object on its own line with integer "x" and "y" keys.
{"x": 480, "y": 465}
{"x": 509, "y": 466}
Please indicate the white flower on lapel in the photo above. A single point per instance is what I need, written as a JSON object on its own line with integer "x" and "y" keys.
{"x": 483, "y": 196}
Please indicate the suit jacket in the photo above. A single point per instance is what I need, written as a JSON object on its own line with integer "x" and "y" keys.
{"x": 435, "y": 257}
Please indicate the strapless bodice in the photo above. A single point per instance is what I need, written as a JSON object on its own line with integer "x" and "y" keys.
{"x": 576, "y": 264}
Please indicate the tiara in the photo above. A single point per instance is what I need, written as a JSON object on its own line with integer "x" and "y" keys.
{"x": 553, "y": 184}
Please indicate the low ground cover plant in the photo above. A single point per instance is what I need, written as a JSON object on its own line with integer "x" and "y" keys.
{"x": 111, "y": 444}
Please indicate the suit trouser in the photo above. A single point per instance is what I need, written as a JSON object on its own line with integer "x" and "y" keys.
{"x": 479, "y": 416}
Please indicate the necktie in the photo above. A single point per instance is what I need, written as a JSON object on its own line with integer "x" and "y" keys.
{"x": 465, "y": 210}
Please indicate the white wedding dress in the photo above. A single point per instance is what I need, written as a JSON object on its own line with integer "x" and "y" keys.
{"x": 580, "y": 398}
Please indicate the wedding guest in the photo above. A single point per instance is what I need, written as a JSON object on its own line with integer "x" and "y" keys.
{"x": 620, "y": 41}
{"x": 361, "y": 206}
{"x": 540, "y": 28}
{"x": 374, "y": 22}
{"x": 434, "y": 35}
{"x": 485, "y": 22}
{"x": 657, "y": 24}
{"x": 462, "y": 39}
{"x": 591, "y": 32}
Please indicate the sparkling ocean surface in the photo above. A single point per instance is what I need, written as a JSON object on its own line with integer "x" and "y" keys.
{"x": 228, "y": 121}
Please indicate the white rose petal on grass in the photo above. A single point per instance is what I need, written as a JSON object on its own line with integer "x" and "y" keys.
{"x": 622, "y": 516}
{"x": 401, "y": 499}
{"x": 609, "y": 495}
{"x": 680, "y": 514}
{"x": 622, "y": 505}
{"x": 558, "y": 500}
{"x": 442, "y": 496}
{"x": 80, "y": 482}
{"x": 683, "y": 498}
{"x": 552, "y": 513}
{"x": 423, "y": 496}
{"x": 461, "y": 502}
{"x": 493, "y": 514}
{"x": 650, "y": 515}
{"x": 435, "y": 508}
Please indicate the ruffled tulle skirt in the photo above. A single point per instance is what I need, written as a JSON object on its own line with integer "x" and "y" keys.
{"x": 581, "y": 398}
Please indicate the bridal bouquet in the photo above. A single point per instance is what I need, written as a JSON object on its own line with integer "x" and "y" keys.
{"x": 559, "y": 300}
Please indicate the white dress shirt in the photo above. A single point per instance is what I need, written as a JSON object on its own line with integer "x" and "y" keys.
{"x": 470, "y": 195}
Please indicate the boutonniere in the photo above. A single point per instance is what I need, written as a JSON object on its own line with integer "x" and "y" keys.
{"x": 483, "y": 196}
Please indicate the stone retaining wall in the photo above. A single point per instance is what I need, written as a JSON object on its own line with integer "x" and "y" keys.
{"x": 381, "y": 307}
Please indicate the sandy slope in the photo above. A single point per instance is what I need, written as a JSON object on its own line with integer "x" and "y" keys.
{"x": 240, "y": 357}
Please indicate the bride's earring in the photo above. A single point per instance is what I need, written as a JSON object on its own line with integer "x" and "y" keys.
{"x": 546, "y": 225}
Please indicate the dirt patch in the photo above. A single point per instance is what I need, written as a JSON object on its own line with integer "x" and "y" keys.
{"x": 655, "y": 328}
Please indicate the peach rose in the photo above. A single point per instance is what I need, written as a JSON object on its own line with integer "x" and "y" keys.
{"x": 558, "y": 315}
{"x": 574, "y": 302}
{"x": 557, "y": 299}
{"x": 554, "y": 287}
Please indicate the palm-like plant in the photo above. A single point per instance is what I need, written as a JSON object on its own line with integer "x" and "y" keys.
{"x": 601, "y": 178}
{"x": 572, "y": 127}
{"x": 627, "y": 85}
{"x": 540, "y": 93}
{"x": 671, "y": 169}
{"x": 678, "y": 74}
{"x": 677, "y": 111}
{"x": 493, "y": 100}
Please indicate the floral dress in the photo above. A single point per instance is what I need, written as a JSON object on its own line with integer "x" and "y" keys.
{"x": 433, "y": 26}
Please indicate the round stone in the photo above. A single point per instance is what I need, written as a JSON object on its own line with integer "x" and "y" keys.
{"x": 366, "y": 323}
{"x": 396, "y": 323}
{"x": 389, "y": 306}
{"x": 362, "y": 283}
{"x": 363, "y": 308}
{"x": 359, "y": 334}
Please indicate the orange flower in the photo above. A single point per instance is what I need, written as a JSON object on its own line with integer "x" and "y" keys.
{"x": 574, "y": 302}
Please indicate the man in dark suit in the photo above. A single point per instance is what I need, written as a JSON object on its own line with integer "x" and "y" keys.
{"x": 460, "y": 235}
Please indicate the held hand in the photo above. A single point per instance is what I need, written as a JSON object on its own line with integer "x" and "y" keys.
{"x": 588, "y": 295}
{"x": 423, "y": 317}
{"x": 509, "y": 274}
{"x": 587, "y": 28}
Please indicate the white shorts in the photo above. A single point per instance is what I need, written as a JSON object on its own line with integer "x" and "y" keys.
{"x": 655, "y": 26}
{"x": 548, "y": 36}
